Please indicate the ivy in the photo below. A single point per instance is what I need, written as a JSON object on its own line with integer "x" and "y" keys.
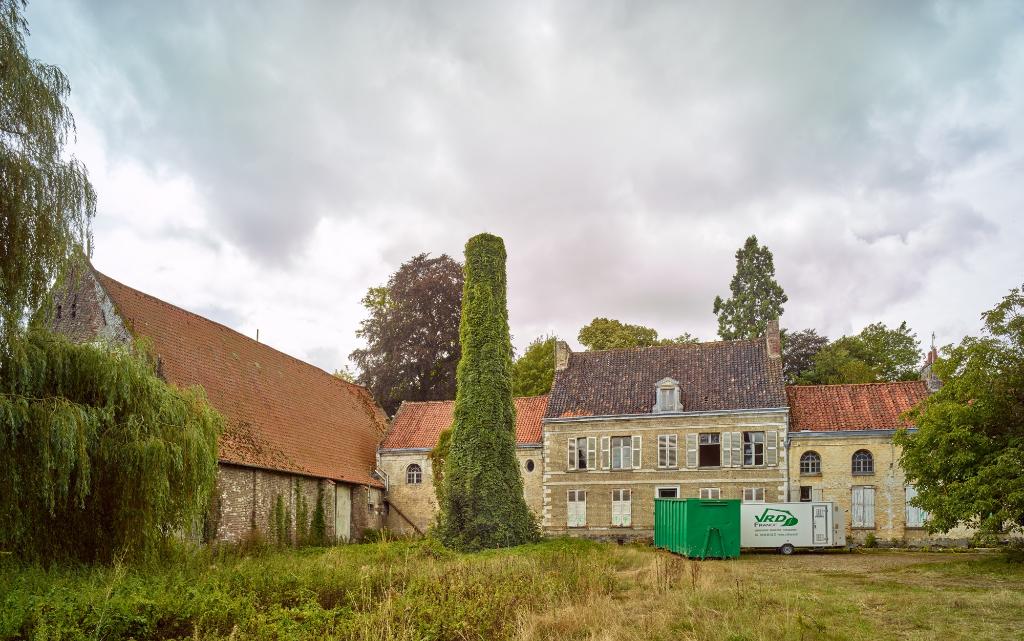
{"x": 483, "y": 504}
{"x": 98, "y": 456}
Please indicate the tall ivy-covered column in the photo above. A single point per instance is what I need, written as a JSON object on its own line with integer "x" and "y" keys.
{"x": 483, "y": 504}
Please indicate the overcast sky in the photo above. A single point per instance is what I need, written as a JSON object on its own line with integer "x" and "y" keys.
{"x": 263, "y": 164}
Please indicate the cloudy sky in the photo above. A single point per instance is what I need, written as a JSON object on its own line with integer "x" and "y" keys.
{"x": 263, "y": 164}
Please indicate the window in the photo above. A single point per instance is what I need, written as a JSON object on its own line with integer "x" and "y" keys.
{"x": 915, "y": 515}
{"x": 622, "y": 508}
{"x": 667, "y": 396}
{"x": 583, "y": 453}
{"x": 74, "y": 306}
{"x": 753, "y": 495}
{"x": 753, "y": 448}
{"x": 529, "y": 465}
{"x": 622, "y": 452}
{"x": 576, "y": 512}
{"x": 709, "y": 450}
{"x": 862, "y": 507}
{"x": 810, "y": 463}
{"x": 805, "y": 493}
{"x": 668, "y": 454}
{"x": 59, "y": 309}
{"x": 863, "y": 462}
{"x": 668, "y": 492}
{"x": 414, "y": 474}
{"x": 710, "y": 493}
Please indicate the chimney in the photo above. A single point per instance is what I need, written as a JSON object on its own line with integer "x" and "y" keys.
{"x": 773, "y": 340}
{"x": 562, "y": 352}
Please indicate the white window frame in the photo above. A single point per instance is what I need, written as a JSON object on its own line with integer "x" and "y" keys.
{"x": 710, "y": 493}
{"x": 575, "y": 513}
{"x": 750, "y": 495}
{"x": 668, "y": 451}
{"x": 870, "y": 461}
{"x": 862, "y": 511}
{"x": 817, "y": 463}
{"x": 667, "y": 396}
{"x": 624, "y": 450}
{"x": 413, "y": 477}
{"x": 915, "y": 517}
{"x": 622, "y": 507}
{"x": 585, "y": 446}
{"x": 750, "y": 449}
{"x": 659, "y": 488}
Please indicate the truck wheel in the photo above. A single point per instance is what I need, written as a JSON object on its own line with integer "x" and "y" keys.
{"x": 786, "y": 549}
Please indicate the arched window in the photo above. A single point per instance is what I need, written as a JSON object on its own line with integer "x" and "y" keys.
{"x": 810, "y": 463}
{"x": 863, "y": 462}
{"x": 414, "y": 474}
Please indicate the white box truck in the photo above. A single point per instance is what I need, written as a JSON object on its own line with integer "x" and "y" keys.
{"x": 787, "y": 526}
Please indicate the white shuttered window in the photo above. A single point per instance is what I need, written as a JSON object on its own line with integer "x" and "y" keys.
{"x": 862, "y": 507}
{"x": 668, "y": 455}
{"x": 622, "y": 508}
{"x": 915, "y": 515}
{"x": 576, "y": 508}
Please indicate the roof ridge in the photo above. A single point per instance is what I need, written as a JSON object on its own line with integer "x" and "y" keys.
{"x": 347, "y": 384}
{"x": 834, "y": 385}
{"x": 672, "y": 345}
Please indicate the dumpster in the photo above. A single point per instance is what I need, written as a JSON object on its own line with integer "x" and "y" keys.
{"x": 698, "y": 528}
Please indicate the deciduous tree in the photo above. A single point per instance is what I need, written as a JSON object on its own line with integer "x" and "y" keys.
{"x": 966, "y": 457}
{"x": 798, "y": 351}
{"x": 534, "y": 371}
{"x": 876, "y": 354}
{"x": 46, "y": 200}
{"x": 412, "y": 333}
{"x": 483, "y": 504}
{"x": 756, "y": 296}
{"x": 606, "y": 333}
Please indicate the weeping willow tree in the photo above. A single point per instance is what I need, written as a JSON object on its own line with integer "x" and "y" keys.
{"x": 46, "y": 200}
{"x": 98, "y": 456}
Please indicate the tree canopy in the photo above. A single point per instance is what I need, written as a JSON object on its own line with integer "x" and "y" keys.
{"x": 756, "y": 296}
{"x": 534, "y": 371}
{"x": 608, "y": 333}
{"x": 412, "y": 333}
{"x": 876, "y": 354}
{"x": 966, "y": 457}
{"x": 98, "y": 456}
{"x": 798, "y": 351}
{"x": 46, "y": 200}
{"x": 482, "y": 500}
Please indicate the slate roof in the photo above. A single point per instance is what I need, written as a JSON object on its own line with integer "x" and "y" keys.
{"x": 418, "y": 424}
{"x": 725, "y": 375}
{"x": 871, "y": 406}
{"x": 281, "y": 413}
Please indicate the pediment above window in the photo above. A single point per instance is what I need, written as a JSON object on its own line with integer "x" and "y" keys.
{"x": 667, "y": 396}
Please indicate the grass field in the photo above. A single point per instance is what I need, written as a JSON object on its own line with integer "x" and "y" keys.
{"x": 559, "y": 589}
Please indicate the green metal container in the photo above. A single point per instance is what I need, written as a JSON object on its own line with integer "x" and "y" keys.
{"x": 698, "y": 528}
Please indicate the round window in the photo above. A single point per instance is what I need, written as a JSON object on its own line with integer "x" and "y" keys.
{"x": 529, "y": 465}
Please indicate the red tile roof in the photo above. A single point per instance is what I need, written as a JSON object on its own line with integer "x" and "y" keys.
{"x": 281, "y": 413}
{"x": 871, "y": 406}
{"x": 418, "y": 424}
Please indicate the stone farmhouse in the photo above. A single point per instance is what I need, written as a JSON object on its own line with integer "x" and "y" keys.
{"x": 618, "y": 429}
{"x": 406, "y": 464}
{"x": 291, "y": 428}
{"x": 711, "y": 420}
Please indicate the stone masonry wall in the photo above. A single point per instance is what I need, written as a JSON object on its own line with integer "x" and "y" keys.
{"x": 644, "y": 482}
{"x": 836, "y": 481}
{"x": 418, "y": 503}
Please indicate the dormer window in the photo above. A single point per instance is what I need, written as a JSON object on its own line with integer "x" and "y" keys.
{"x": 667, "y": 396}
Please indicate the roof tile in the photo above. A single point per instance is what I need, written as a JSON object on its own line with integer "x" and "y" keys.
{"x": 419, "y": 424}
{"x": 869, "y": 406}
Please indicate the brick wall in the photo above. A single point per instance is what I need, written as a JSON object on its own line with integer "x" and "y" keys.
{"x": 643, "y": 482}
{"x": 84, "y": 313}
{"x": 836, "y": 482}
{"x": 416, "y": 504}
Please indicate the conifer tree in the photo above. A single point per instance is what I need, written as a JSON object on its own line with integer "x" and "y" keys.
{"x": 483, "y": 495}
{"x": 756, "y": 296}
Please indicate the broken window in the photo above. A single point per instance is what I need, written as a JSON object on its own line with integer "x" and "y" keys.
{"x": 753, "y": 448}
{"x": 710, "y": 450}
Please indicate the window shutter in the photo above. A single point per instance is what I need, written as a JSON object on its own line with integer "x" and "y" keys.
{"x": 673, "y": 450}
{"x": 726, "y": 449}
{"x": 869, "y": 506}
{"x": 591, "y": 452}
{"x": 857, "y": 507}
{"x": 691, "y": 450}
{"x": 771, "y": 448}
{"x": 637, "y": 445}
{"x": 572, "y": 454}
{"x": 816, "y": 494}
{"x": 737, "y": 449}
{"x": 606, "y": 452}
{"x": 627, "y": 508}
